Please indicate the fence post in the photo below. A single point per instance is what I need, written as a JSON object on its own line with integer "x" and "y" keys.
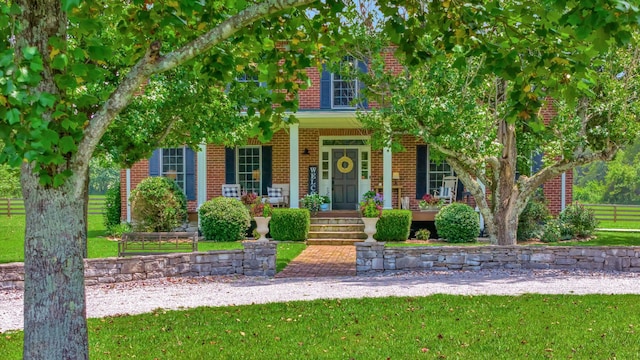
{"x": 8, "y": 207}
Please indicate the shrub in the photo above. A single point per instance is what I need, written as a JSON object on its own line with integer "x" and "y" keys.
{"x": 290, "y": 224}
{"x": 312, "y": 202}
{"x": 458, "y": 223}
{"x": 158, "y": 204}
{"x": 112, "y": 207}
{"x": 578, "y": 220}
{"x": 394, "y": 225}
{"x": 552, "y": 231}
{"x": 118, "y": 229}
{"x": 532, "y": 219}
{"x": 224, "y": 219}
{"x": 423, "y": 234}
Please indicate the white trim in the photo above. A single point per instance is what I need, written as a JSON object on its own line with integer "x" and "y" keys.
{"x": 201, "y": 176}
{"x": 294, "y": 167}
{"x": 128, "y": 190}
{"x": 387, "y": 173}
{"x": 324, "y": 185}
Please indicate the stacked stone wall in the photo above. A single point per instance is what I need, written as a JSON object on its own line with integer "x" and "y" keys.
{"x": 375, "y": 257}
{"x": 256, "y": 259}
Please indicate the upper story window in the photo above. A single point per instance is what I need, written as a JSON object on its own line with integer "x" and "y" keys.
{"x": 172, "y": 165}
{"x": 249, "y": 159}
{"x": 344, "y": 89}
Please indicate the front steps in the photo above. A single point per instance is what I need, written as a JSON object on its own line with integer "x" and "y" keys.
{"x": 336, "y": 231}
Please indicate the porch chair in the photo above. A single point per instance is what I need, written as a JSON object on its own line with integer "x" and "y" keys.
{"x": 231, "y": 191}
{"x": 447, "y": 191}
{"x": 278, "y": 195}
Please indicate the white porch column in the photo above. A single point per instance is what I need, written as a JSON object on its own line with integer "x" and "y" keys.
{"x": 294, "y": 172}
{"x": 128, "y": 189}
{"x": 386, "y": 179}
{"x": 201, "y": 176}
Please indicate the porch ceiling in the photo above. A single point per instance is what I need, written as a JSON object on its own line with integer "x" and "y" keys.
{"x": 328, "y": 120}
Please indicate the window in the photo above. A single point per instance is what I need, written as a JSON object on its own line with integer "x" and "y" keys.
{"x": 249, "y": 160}
{"x": 437, "y": 170}
{"x": 172, "y": 165}
{"x": 345, "y": 90}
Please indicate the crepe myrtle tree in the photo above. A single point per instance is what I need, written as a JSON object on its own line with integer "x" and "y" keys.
{"x": 68, "y": 68}
{"x": 478, "y": 77}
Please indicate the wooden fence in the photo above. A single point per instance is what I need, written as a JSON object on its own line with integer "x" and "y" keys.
{"x": 616, "y": 213}
{"x": 15, "y": 206}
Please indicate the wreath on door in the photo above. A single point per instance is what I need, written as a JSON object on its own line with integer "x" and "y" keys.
{"x": 345, "y": 164}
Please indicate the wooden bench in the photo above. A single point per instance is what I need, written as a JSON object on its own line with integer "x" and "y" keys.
{"x": 140, "y": 243}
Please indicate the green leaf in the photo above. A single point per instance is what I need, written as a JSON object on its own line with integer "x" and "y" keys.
{"x": 67, "y": 144}
{"x": 29, "y": 52}
{"x": 60, "y": 62}
{"x": 268, "y": 44}
{"x": 47, "y": 99}
{"x": 12, "y": 116}
{"x": 99, "y": 52}
{"x": 70, "y": 4}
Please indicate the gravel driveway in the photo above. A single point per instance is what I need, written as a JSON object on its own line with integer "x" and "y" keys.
{"x": 179, "y": 293}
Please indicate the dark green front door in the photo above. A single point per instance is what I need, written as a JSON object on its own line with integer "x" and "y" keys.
{"x": 345, "y": 179}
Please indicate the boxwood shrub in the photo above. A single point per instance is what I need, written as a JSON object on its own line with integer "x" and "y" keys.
{"x": 158, "y": 204}
{"x": 458, "y": 223}
{"x": 290, "y": 224}
{"x": 224, "y": 219}
{"x": 394, "y": 225}
{"x": 112, "y": 207}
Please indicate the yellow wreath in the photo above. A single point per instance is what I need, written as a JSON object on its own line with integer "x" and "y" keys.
{"x": 345, "y": 169}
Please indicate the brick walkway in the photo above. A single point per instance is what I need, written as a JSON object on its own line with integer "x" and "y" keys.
{"x": 322, "y": 260}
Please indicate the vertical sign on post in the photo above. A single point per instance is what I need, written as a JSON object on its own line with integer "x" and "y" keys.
{"x": 312, "y": 185}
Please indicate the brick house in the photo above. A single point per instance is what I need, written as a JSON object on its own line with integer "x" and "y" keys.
{"x": 328, "y": 144}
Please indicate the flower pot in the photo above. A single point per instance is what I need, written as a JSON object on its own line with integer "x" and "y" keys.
{"x": 324, "y": 207}
{"x": 370, "y": 228}
{"x": 262, "y": 227}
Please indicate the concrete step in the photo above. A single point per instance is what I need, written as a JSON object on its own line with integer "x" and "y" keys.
{"x": 347, "y": 235}
{"x": 337, "y": 227}
{"x": 335, "y": 242}
{"x": 336, "y": 221}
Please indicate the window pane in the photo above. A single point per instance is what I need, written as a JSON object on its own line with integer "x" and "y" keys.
{"x": 249, "y": 170}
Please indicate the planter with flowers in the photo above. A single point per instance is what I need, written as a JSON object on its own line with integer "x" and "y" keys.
{"x": 261, "y": 213}
{"x": 313, "y": 202}
{"x": 371, "y": 209}
{"x": 430, "y": 203}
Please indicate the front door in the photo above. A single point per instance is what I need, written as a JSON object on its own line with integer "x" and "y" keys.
{"x": 345, "y": 179}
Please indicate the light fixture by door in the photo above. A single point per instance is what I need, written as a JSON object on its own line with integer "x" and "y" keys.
{"x": 306, "y": 152}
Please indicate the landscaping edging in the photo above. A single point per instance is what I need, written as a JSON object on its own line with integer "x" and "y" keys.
{"x": 375, "y": 257}
{"x": 256, "y": 259}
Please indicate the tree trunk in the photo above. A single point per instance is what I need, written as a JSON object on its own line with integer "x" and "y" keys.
{"x": 54, "y": 298}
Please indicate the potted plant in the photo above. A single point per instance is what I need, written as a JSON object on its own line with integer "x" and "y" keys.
{"x": 371, "y": 211}
{"x": 261, "y": 213}
{"x": 429, "y": 203}
{"x": 325, "y": 203}
{"x": 312, "y": 202}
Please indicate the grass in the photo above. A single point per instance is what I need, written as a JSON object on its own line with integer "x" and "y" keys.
{"x": 604, "y": 238}
{"x": 12, "y": 242}
{"x": 434, "y": 327}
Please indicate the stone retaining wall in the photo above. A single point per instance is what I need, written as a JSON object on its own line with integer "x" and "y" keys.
{"x": 256, "y": 259}
{"x": 375, "y": 257}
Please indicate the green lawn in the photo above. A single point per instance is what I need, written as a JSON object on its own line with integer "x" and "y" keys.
{"x": 12, "y": 242}
{"x": 434, "y": 327}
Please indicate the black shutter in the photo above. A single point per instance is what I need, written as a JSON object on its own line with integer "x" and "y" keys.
{"x": 421, "y": 171}
{"x": 459, "y": 190}
{"x": 362, "y": 66}
{"x": 190, "y": 174}
{"x": 325, "y": 89}
{"x": 267, "y": 156}
{"x": 229, "y": 165}
{"x": 154, "y": 163}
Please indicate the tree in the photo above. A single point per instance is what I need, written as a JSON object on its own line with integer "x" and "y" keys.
{"x": 69, "y": 68}
{"x": 479, "y": 76}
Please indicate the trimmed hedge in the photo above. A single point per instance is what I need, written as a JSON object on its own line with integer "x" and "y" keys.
{"x": 290, "y": 224}
{"x": 394, "y": 225}
{"x": 112, "y": 206}
{"x": 158, "y": 204}
{"x": 224, "y": 219}
{"x": 458, "y": 223}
